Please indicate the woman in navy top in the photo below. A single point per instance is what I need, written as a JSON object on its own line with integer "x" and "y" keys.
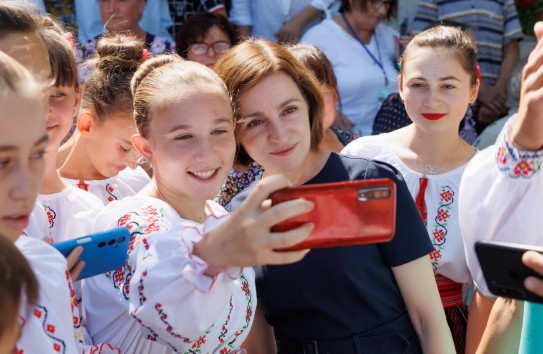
{"x": 378, "y": 298}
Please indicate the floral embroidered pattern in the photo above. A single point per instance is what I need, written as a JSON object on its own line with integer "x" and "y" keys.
{"x": 110, "y": 190}
{"x": 139, "y": 223}
{"x": 224, "y": 328}
{"x": 439, "y": 233}
{"x": 41, "y": 313}
{"x": 78, "y": 331}
{"x": 82, "y": 185}
{"x": 516, "y": 163}
{"x": 164, "y": 318}
{"x": 249, "y": 314}
{"x": 51, "y": 215}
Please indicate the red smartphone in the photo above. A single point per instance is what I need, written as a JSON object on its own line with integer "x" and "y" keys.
{"x": 345, "y": 213}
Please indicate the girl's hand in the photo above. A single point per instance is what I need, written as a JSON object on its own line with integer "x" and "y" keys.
{"x": 527, "y": 134}
{"x": 245, "y": 238}
{"x": 534, "y": 260}
{"x": 74, "y": 266}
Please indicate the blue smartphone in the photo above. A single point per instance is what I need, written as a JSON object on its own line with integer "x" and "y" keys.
{"x": 102, "y": 252}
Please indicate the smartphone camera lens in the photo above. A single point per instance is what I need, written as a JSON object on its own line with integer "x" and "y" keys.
{"x": 110, "y": 242}
{"x": 101, "y": 244}
{"x": 121, "y": 239}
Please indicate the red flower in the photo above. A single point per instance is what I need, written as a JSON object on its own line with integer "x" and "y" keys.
{"x": 523, "y": 168}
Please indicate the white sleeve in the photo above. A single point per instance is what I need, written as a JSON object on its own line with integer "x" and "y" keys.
{"x": 241, "y": 13}
{"x": 89, "y": 21}
{"x": 156, "y": 19}
{"x": 501, "y": 198}
{"x": 171, "y": 297}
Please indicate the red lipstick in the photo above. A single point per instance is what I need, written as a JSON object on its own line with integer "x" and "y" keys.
{"x": 433, "y": 116}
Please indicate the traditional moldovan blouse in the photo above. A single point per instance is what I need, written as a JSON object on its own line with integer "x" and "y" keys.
{"x": 440, "y": 193}
{"x": 161, "y": 301}
{"x": 128, "y": 182}
{"x": 70, "y": 212}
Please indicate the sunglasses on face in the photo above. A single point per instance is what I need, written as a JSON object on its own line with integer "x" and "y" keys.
{"x": 219, "y": 47}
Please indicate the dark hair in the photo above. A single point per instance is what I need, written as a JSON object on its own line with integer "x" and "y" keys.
{"x": 61, "y": 57}
{"x": 108, "y": 89}
{"x": 163, "y": 74}
{"x": 16, "y": 279}
{"x": 316, "y": 61}
{"x": 196, "y": 27}
{"x": 451, "y": 38}
{"x": 253, "y": 60}
{"x": 14, "y": 19}
{"x": 363, "y": 6}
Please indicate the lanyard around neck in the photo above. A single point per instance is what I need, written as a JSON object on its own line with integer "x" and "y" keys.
{"x": 357, "y": 37}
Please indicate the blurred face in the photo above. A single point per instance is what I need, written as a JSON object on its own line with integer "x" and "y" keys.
{"x": 191, "y": 144}
{"x": 436, "y": 89}
{"x": 23, "y": 140}
{"x": 63, "y": 102}
{"x": 274, "y": 124}
{"x": 210, "y": 48}
{"x": 29, "y": 50}
{"x": 121, "y": 15}
{"x": 375, "y": 12}
{"x": 109, "y": 145}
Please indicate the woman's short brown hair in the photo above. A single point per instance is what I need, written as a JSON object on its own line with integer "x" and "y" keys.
{"x": 253, "y": 60}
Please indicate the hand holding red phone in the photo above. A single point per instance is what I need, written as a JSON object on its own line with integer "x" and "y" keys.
{"x": 345, "y": 213}
{"x": 245, "y": 239}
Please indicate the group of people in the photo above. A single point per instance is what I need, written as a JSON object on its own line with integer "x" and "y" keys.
{"x": 184, "y": 153}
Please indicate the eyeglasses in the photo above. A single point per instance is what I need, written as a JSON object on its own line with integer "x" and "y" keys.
{"x": 377, "y": 4}
{"x": 219, "y": 47}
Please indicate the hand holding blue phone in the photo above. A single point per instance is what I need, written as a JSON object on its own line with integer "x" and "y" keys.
{"x": 102, "y": 252}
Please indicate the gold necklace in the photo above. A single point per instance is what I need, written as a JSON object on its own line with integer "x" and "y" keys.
{"x": 430, "y": 169}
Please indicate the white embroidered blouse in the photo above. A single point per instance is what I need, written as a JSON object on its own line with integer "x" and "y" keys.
{"x": 70, "y": 212}
{"x": 441, "y": 199}
{"x": 160, "y": 301}
{"x": 52, "y": 324}
{"x": 501, "y": 191}
{"x": 127, "y": 183}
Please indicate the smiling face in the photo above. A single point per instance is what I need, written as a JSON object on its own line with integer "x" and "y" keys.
{"x": 121, "y": 15}
{"x": 191, "y": 143}
{"x": 23, "y": 139}
{"x": 436, "y": 89}
{"x": 274, "y": 124}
